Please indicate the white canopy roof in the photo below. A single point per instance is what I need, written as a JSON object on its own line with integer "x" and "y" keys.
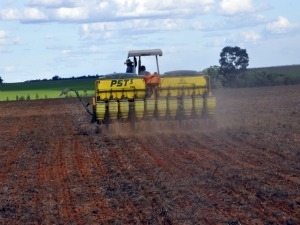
{"x": 146, "y": 52}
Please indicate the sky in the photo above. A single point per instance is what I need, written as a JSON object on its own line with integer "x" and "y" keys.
{"x": 43, "y": 38}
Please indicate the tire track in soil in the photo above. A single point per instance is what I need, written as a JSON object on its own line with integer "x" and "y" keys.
{"x": 236, "y": 191}
{"x": 256, "y": 151}
{"x": 135, "y": 194}
{"x": 198, "y": 158}
{"x": 62, "y": 181}
{"x": 95, "y": 157}
{"x": 163, "y": 155}
{"x": 189, "y": 153}
{"x": 8, "y": 160}
{"x": 269, "y": 196}
{"x": 138, "y": 158}
{"x": 49, "y": 200}
{"x": 15, "y": 148}
{"x": 32, "y": 208}
{"x": 203, "y": 150}
{"x": 26, "y": 174}
{"x": 123, "y": 178}
{"x": 48, "y": 181}
{"x": 184, "y": 153}
{"x": 91, "y": 204}
{"x": 243, "y": 191}
{"x": 154, "y": 188}
{"x": 78, "y": 158}
{"x": 223, "y": 149}
{"x": 117, "y": 182}
{"x": 19, "y": 174}
{"x": 149, "y": 203}
{"x": 15, "y": 185}
{"x": 179, "y": 210}
{"x": 199, "y": 169}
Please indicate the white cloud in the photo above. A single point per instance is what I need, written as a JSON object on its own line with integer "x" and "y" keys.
{"x": 250, "y": 36}
{"x": 237, "y": 39}
{"x": 34, "y": 14}
{"x": 105, "y": 8}
{"x": 197, "y": 25}
{"x": 77, "y": 13}
{"x": 3, "y": 34}
{"x": 95, "y": 11}
{"x": 229, "y": 22}
{"x": 178, "y": 8}
{"x": 109, "y": 30}
{"x": 241, "y": 38}
{"x": 50, "y": 3}
{"x": 6, "y": 40}
{"x": 50, "y": 37}
{"x": 8, "y": 69}
{"x": 10, "y": 14}
{"x": 98, "y": 30}
{"x": 230, "y": 7}
{"x": 216, "y": 42}
{"x": 200, "y": 5}
{"x": 281, "y": 26}
{"x": 26, "y": 15}
{"x": 9, "y": 2}
{"x": 146, "y": 25}
{"x": 66, "y": 51}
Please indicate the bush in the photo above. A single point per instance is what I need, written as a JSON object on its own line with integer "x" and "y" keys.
{"x": 263, "y": 78}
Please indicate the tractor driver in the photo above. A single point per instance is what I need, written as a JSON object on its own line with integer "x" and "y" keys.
{"x": 130, "y": 66}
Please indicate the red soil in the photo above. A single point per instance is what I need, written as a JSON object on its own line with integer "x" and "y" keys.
{"x": 55, "y": 170}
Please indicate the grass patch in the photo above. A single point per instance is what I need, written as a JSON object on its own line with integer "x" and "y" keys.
{"x": 45, "y": 89}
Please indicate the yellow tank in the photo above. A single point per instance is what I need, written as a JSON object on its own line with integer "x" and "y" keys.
{"x": 189, "y": 88}
{"x": 119, "y": 87}
{"x": 182, "y": 85}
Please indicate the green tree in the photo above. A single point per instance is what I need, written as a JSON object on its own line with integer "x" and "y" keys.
{"x": 1, "y": 80}
{"x": 56, "y": 77}
{"x": 233, "y": 61}
{"x": 215, "y": 76}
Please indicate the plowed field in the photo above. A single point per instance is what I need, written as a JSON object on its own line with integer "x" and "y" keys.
{"x": 55, "y": 170}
